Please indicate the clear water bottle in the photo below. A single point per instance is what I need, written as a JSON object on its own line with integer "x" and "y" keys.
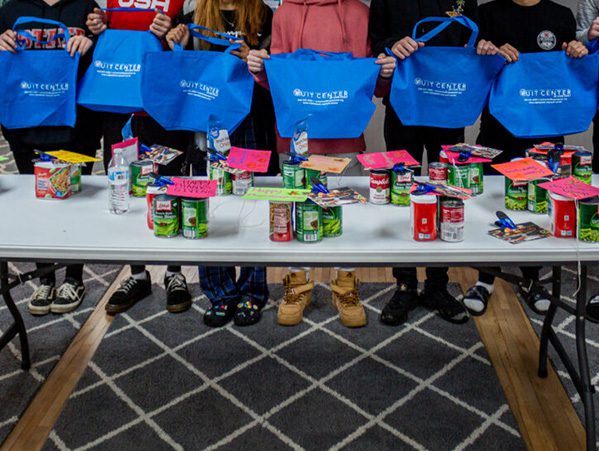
{"x": 118, "y": 181}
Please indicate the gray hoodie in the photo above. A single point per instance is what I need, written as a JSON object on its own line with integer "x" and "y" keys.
{"x": 588, "y": 11}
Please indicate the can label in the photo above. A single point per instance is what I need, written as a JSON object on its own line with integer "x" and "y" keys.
{"x": 194, "y": 215}
{"x": 308, "y": 223}
{"x": 516, "y": 195}
{"x": 423, "y": 220}
{"x": 476, "y": 179}
{"x": 438, "y": 172}
{"x": 52, "y": 180}
{"x": 380, "y": 187}
{"x": 224, "y": 184}
{"x": 141, "y": 172}
{"x": 582, "y": 167}
{"x": 563, "y": 217}
{"x": 165, "y": 215}
{"x": 452, "y": 221}
{"x": 537, "y": 197}
{"x": 401, "y": 184}
{"x": 332, "y": 222}
{"x": 459, "y": 176}
{"x": 151, "y": 192}
{"x": 75, "y": 178}
{"x": 294, "y": 177}
{"x": 321, "y": 176}
{"x": 281, "y": 228}
{"x": 242, "y": 182}
{"x": 588, "y": 220}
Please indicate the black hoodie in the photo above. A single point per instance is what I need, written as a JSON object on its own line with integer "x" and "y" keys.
{"x": 72, "y": 13}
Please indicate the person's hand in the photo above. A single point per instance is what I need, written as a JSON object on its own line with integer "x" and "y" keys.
{"x": 486, "y": 48}
{"x": 509, "y": 53}
{"x": 405, "y": 47}
{"x": 594, "y": 30}
{"x": 178, "y": 35}
{"x": 243, "y": 51}
{"x": 256, "y": 59}
{"x": 79, "y": 44}
{"x": 8, "y": 41}
{"x": 575, "y": 49}
{"x": 96, "y": 21}
{"x": 387, "y": 64}
{"x": 161, "y": 24}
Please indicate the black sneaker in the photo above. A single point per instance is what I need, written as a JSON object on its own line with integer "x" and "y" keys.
{"x": 68, "y": 296}
{"x": 178, "y": 298}
{"x": 403, "y": 301}
{"x": 129, "y": 293}
{"x": 476, "y": 300}
{"x": 535, "y": 296}
{"x": 247, "y": 313}
{"x": 593, "y": 308}
{"x": 220, "y": 314}
{"x": 41, "y": 300}
{"x": 449, "y": 308}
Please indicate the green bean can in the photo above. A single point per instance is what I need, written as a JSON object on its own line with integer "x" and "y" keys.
{"x": 166, "y": 216}
{"x": 75, "y": 178}
{"x": 588, "y": 220}
{"x": 516, "y": 195}
{"x": 538, "y": 199}
{"x": 321, "y": 176}
{"x": 401, "y": 183}
{"x": 582, "y": 168}
{"x": 332, "y": 222}
{"x": 294, "y": 177}
{"x": 476, "y": 178}
{"x": 194, "y": 215}
{"x": 459, "y": 175}
{"x": 141, "y": 175}
{"x": 224, "y": 183}
{"x": 308, "y": 222}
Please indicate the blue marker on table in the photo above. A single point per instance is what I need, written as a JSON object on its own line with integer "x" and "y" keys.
{"x": 318, "y": 187}
{"x": 504, "y": 221}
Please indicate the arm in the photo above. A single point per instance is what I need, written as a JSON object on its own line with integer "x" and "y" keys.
{"x": 586, "y": 18}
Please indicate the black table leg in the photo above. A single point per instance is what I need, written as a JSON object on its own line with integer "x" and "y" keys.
{"x": 548, "y": 322}
{"x": 18, "y": 327}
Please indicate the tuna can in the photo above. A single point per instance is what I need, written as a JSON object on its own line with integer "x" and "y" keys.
{"x": 308, "y": 222}
{"x": 224, "y": 184}
{"x": 563, "y": 216}
{"x": 537, "y": 196}
{"x": 194, "y": 218}
{"x": 452, "y": 220}
{"x": 516, "y": 195}
{"x": 423, "y": 217}
{"x": 476, "y": 178}
{"x": 242, "y": 182}
{"x": 141, "y": 175}
{"x": 165, "y": 213}
{"x": 437, "y": 172}
{"x": 281, "y": 228}
{"x": 459, "y": 175}
{"x": 294, "y": 177}
{"x": 582, "y": 166}
{"x": 401, "y": 184}
{"x": 380, "y": 184}
{"x": 588, "y": 220}
{"x": 332, "y": 222}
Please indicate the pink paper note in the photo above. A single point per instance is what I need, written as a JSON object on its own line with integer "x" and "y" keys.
{"x": 523, "y": 170}
{"x": 197, "y": 189}
{"x": 453, "y": 158}
{"x": 248, "y": 159}
{"x": 386, "y": 160}
{"x": 572, "y": 188}
{"x": 129, "y": 148}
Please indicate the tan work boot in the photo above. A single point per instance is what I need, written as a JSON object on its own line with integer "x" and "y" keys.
{"x": 298, "y": 295}
{"x": 347, "y": 301}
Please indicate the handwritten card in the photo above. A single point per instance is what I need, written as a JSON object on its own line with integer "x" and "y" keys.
{"x": 194, "y": 188}
{"x": 572, "y": 188}
{"x": 453, "y": 158}
{"x": 129, "y": 148}
{"x": 337, "y": 197}
{"x": 72, "y": 157}
{"x": 523, "y": 170}
{"x": 386, "y": 160}
{"x": 277, "y": 194}
{"x": 326, "y": 164}
{"x": 249, "y": 159}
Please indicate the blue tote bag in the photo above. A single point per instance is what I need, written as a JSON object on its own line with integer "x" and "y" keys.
{"x": 334, "y": 89}
{"x": 113, "y": 81}
{"x": 196, "y": 85}
{"x": 546, "y": 94}
{"x": 445, "y": 87}
{"x": 38, "y": 87}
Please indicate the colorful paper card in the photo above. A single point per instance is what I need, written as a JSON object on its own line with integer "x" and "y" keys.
{"x": 386, "y": 160}
{"x": 572, "y": 188}
{"x": 326, "y": 164}
{"x": 222, "y": 164}
{"x": 337, "y": 197}
{"x": 550, "y": 146}
{"x": 527, "y": 231}
{"x": 159, "y": 154}
{"x": 249, "y": 159}
{"x": 194, "y": 188}
{"x": 3, "y": 158}
{"x": 454, "y": 158}
{"x": 477, "y": 151}
{"x": 523, "y": 170}
{"x": 129, "y": 148}
{"x": 277, "y": 194}
{"x": 72, "y": 157}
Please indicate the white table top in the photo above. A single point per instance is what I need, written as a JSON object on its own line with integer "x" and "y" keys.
{"x": 82, "y": 229}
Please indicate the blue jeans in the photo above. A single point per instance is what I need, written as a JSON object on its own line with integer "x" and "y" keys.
{"x": 219, "y": 284}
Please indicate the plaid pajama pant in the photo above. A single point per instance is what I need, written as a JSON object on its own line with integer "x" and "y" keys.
{"x": 220, "y": 284}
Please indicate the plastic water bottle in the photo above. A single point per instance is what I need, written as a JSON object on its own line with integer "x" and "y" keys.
{"x": 118, "y": 181}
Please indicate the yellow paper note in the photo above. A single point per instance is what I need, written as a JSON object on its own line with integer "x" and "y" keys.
{"x": 326, "y": 164}
{"x": 72, "y": 157}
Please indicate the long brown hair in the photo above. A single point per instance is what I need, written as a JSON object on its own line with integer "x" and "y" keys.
{"x": 249, "y": 14}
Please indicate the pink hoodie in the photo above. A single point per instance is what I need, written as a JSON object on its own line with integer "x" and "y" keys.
{"x": 330, "y": 26}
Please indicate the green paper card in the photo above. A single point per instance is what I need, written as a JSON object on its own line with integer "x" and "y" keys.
{"x": 277, "y": 194}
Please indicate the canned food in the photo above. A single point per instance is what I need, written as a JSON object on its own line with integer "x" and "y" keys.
{"x": 242, "y": 182}
{"x": 563, "y": 216}
{"x": 438, "y": 172}
{"x": 582, "y": 166}
{"x": 452, "y": 220}
{"x": 380, "y": 184}
{"x": 321, "y": 176}
{"x": 194, "y": 218}
{"x": 76, "y": 178}
{"x": 476, "y": 178}
{"x": 308, "y": 222}
{"x": 516, "y": 195}
{"x": 588, "y": 220}
{"x": 141, "y": 175}
{"x": 443, "y": 158}
{"x": 224, "y": 184}
{"x": 332, "y": 222}
{"x": 294, "y": 177}
{"x": 281, "y": 228}
{"x": 165, "y": 213}
{"x": 151, "y": 191}
{"x": 52, "y": 180}
{"x": 401, "y": 184}
{"x": 537, "y": 196}
{"x": 423, "y": 217}
{"x": 459, "y": 175}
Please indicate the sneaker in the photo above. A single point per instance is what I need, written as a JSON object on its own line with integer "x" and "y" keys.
{"x": 535, "y": 296}
{"x": 68, "y": 296}
{"x": 403, "y": 301}
{"x": 449, "y": 308}
{"x": 476, "y": 300}
{"x": 247, "y": 313}
{"x": 347, "y": 301}
{"x": 129, "y": 293}
{"x": 298, "y": 295}
{"x": 220, "y": 314}
{"x": 593, "y": 308}
{"x": 178, "y": 298}
{"x": 41, "y": 300}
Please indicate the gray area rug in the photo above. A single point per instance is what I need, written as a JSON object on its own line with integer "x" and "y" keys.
{"x": 162, "y": 381}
